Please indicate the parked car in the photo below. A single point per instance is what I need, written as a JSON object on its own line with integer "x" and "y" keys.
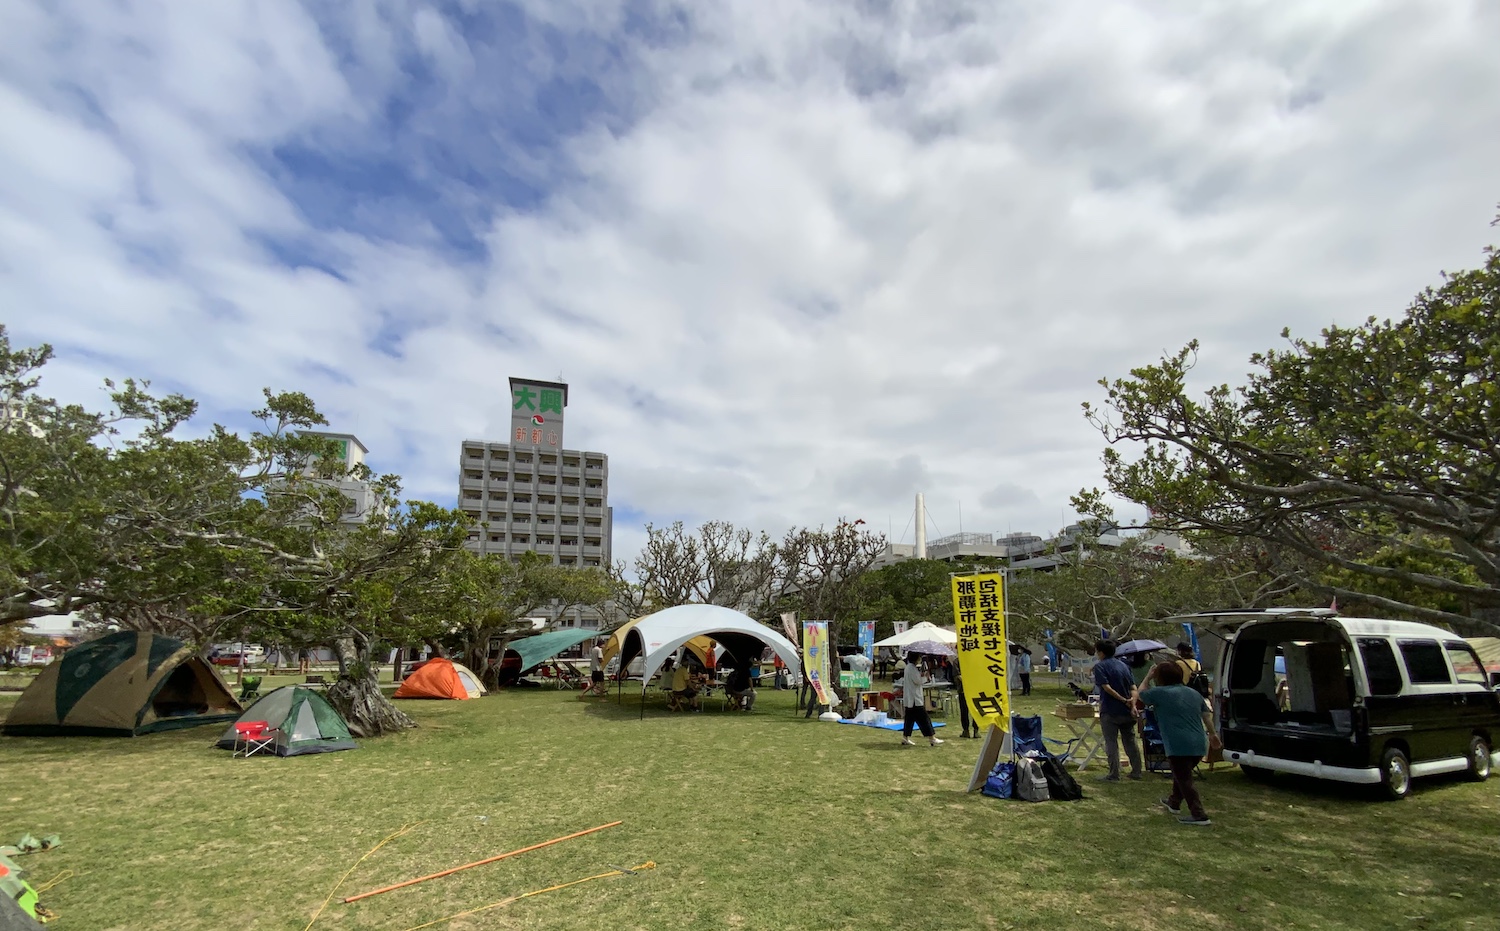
{"x": 1357, "y": 700}
{"x": 229, "y": 654}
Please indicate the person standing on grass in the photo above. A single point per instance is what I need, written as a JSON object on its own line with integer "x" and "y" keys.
{"x": 1116, "y": 716}
{"x": 1187, "y": 732}
{"x": 1024, "y": 666}
{"x": 596, "y": 669}
{"x": 915, "y": 702}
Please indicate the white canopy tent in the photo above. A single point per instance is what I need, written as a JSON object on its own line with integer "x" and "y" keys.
{"x": 922, "y": 630}
{"x": 657, "y": 636}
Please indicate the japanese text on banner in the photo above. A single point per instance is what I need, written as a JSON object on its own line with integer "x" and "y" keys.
{"x": 815, "y": 658}
{"x": 983, "y": 655}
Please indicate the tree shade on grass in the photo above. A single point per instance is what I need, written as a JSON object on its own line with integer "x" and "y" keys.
{"x": 762, "y": 820}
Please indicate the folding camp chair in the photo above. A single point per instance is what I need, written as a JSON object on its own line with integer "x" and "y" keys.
{"x": 1026, "y": 736}
{"x": 252, "y": 737}
{"x": 1152, "y": 747}
{"x": 250, "y": 689}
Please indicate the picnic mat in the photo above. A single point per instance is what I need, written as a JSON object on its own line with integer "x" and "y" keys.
{"x": 887, "y": 726}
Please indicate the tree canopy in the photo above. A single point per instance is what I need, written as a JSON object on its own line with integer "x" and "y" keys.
{"x": 1365, "y": 463}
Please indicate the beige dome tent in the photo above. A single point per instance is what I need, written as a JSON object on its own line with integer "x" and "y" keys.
{"x": 123, "y": 684}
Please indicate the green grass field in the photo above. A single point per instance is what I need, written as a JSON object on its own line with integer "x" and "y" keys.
{"x": 759, "y": 821}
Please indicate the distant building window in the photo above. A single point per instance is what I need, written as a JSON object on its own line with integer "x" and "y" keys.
{"x": 472, "y": 495}
{"x": 475, "y": 454}
{"x": 594, "y": 503}
{"x": 500, "y": 456}
{"x": 544, "y": 541}
{"x": 497, "y": 538}
{"x": 521, "y": 538}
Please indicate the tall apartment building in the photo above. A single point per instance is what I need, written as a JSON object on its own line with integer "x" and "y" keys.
{"x": 553, "y": 502}
{"x": 531, "y": 493}
{"x": 363, "y": 504}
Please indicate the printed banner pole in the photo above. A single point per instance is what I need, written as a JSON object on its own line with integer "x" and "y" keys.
{"x": 979, "y": 614}
{"x": 815, "y": 658}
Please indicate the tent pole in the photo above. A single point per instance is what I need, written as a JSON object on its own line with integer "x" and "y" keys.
{"x": 643, "y": 700}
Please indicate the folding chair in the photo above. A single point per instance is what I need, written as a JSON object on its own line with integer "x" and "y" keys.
{"x": 1153, "y": 748}
{"x": 250, "y": 689}
{"x": 252, "y": 737}
{"x": 1026, "y": 736}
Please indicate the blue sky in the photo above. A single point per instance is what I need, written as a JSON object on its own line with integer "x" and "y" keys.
{"x": 797, "y": 261}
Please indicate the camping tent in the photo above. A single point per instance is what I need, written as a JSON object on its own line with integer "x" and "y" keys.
{"x": 303, "y": 719}
{"x": 657, "y": 636}
{"x": 441, "y": 678}
{"x": 922, "y": 630}
{"x": 123, "y": 684}
{"x": 698, "y": 646}
{"x": 534, "y": 651}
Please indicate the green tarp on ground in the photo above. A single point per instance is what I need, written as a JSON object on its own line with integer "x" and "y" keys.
{"x": 536, "y": 650}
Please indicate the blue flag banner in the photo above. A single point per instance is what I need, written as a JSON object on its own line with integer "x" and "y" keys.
{"x": 1051, "y": 651}
{"x": 1192, "y": 636}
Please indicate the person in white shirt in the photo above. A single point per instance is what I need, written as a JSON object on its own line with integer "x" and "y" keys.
{"x": 915, "y": 703}
{"x": 596, "y": 669}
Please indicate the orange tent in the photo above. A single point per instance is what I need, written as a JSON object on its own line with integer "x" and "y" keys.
{"x": 441, "y": 678}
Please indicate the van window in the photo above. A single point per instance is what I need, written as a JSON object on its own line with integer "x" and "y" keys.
{"x": 1381, "y": 671}
{"x": 1466, "y": 664}
{"x": 1425, "y": 663}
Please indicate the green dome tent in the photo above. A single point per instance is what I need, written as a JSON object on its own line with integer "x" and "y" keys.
{"x": 303, "y": 719}
{"x": 122, "y": 685}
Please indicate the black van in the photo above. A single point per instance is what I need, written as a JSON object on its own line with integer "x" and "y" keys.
{"x": 1354, "y": 700}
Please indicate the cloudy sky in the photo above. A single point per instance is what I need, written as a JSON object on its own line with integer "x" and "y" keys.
{"x": 796, "y": 260}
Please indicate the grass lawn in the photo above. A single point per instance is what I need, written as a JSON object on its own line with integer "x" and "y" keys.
{"x": 760, "y": 821}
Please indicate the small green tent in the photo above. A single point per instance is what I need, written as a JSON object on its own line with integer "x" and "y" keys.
{"x": 123, "y": 684}
{"x": 303, "y": 719}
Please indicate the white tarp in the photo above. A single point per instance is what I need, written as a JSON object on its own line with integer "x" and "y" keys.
{"x": 663, "y": 634}
{"x": 923, "y": 630}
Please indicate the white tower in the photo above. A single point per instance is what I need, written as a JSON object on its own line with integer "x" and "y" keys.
{"x": 921, "y": 518}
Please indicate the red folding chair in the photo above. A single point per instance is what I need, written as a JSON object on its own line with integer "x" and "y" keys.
{"x": 252, "y": 737}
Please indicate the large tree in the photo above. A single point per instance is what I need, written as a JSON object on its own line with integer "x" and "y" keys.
{"x": 1366, "y": 463}
{"x": 487, "y": 598}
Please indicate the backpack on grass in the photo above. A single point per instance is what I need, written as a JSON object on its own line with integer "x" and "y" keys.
{"x": 1002, "y": 781}
{"x": 1061, "y": 785}
{"x": 1031, "y": 785}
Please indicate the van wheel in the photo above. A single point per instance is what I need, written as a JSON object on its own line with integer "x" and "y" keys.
{"x": 1395, "y": 774}
{"x": 1479, "y": 759}
{"x": 1257, "y": 773}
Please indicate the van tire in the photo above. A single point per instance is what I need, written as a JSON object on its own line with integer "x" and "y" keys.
{"x": 1395, "y": 774}
{"x": 1257, "y": 773}
{"x": 1479, "y": 759}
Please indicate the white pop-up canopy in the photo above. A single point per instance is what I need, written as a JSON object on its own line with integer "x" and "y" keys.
{"x": 657, "y": 636}
{"x": 922, "y": 630}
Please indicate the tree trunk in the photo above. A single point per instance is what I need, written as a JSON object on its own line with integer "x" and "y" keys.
{"x": 357, "y": 696}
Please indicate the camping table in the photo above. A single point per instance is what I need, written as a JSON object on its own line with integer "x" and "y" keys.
{"x": 1086, "y": 730}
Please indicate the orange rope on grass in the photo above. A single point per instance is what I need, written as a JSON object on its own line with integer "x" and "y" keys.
{"x": 442, "y": 873}
{"x": 648, "y": 865}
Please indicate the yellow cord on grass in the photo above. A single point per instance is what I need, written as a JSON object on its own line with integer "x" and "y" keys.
{"x": 65, "y": 874}
{"x": 648, "y": 865}
{"x": 404, "y": 829}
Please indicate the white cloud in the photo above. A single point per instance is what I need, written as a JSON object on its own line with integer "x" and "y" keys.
{"x": 825, "y": 259}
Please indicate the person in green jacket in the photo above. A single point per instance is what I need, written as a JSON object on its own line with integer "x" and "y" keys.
{"x": 1187, "y": 732}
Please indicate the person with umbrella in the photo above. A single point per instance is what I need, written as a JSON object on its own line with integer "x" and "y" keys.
{"x": 915, "y": 704}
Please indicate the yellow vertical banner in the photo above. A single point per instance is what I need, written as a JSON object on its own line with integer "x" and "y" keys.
{"x": 815, "y": 663}
{"x": 983, "y": 654}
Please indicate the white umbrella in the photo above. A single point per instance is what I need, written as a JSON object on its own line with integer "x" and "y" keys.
{"x": 922, "y": 630}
